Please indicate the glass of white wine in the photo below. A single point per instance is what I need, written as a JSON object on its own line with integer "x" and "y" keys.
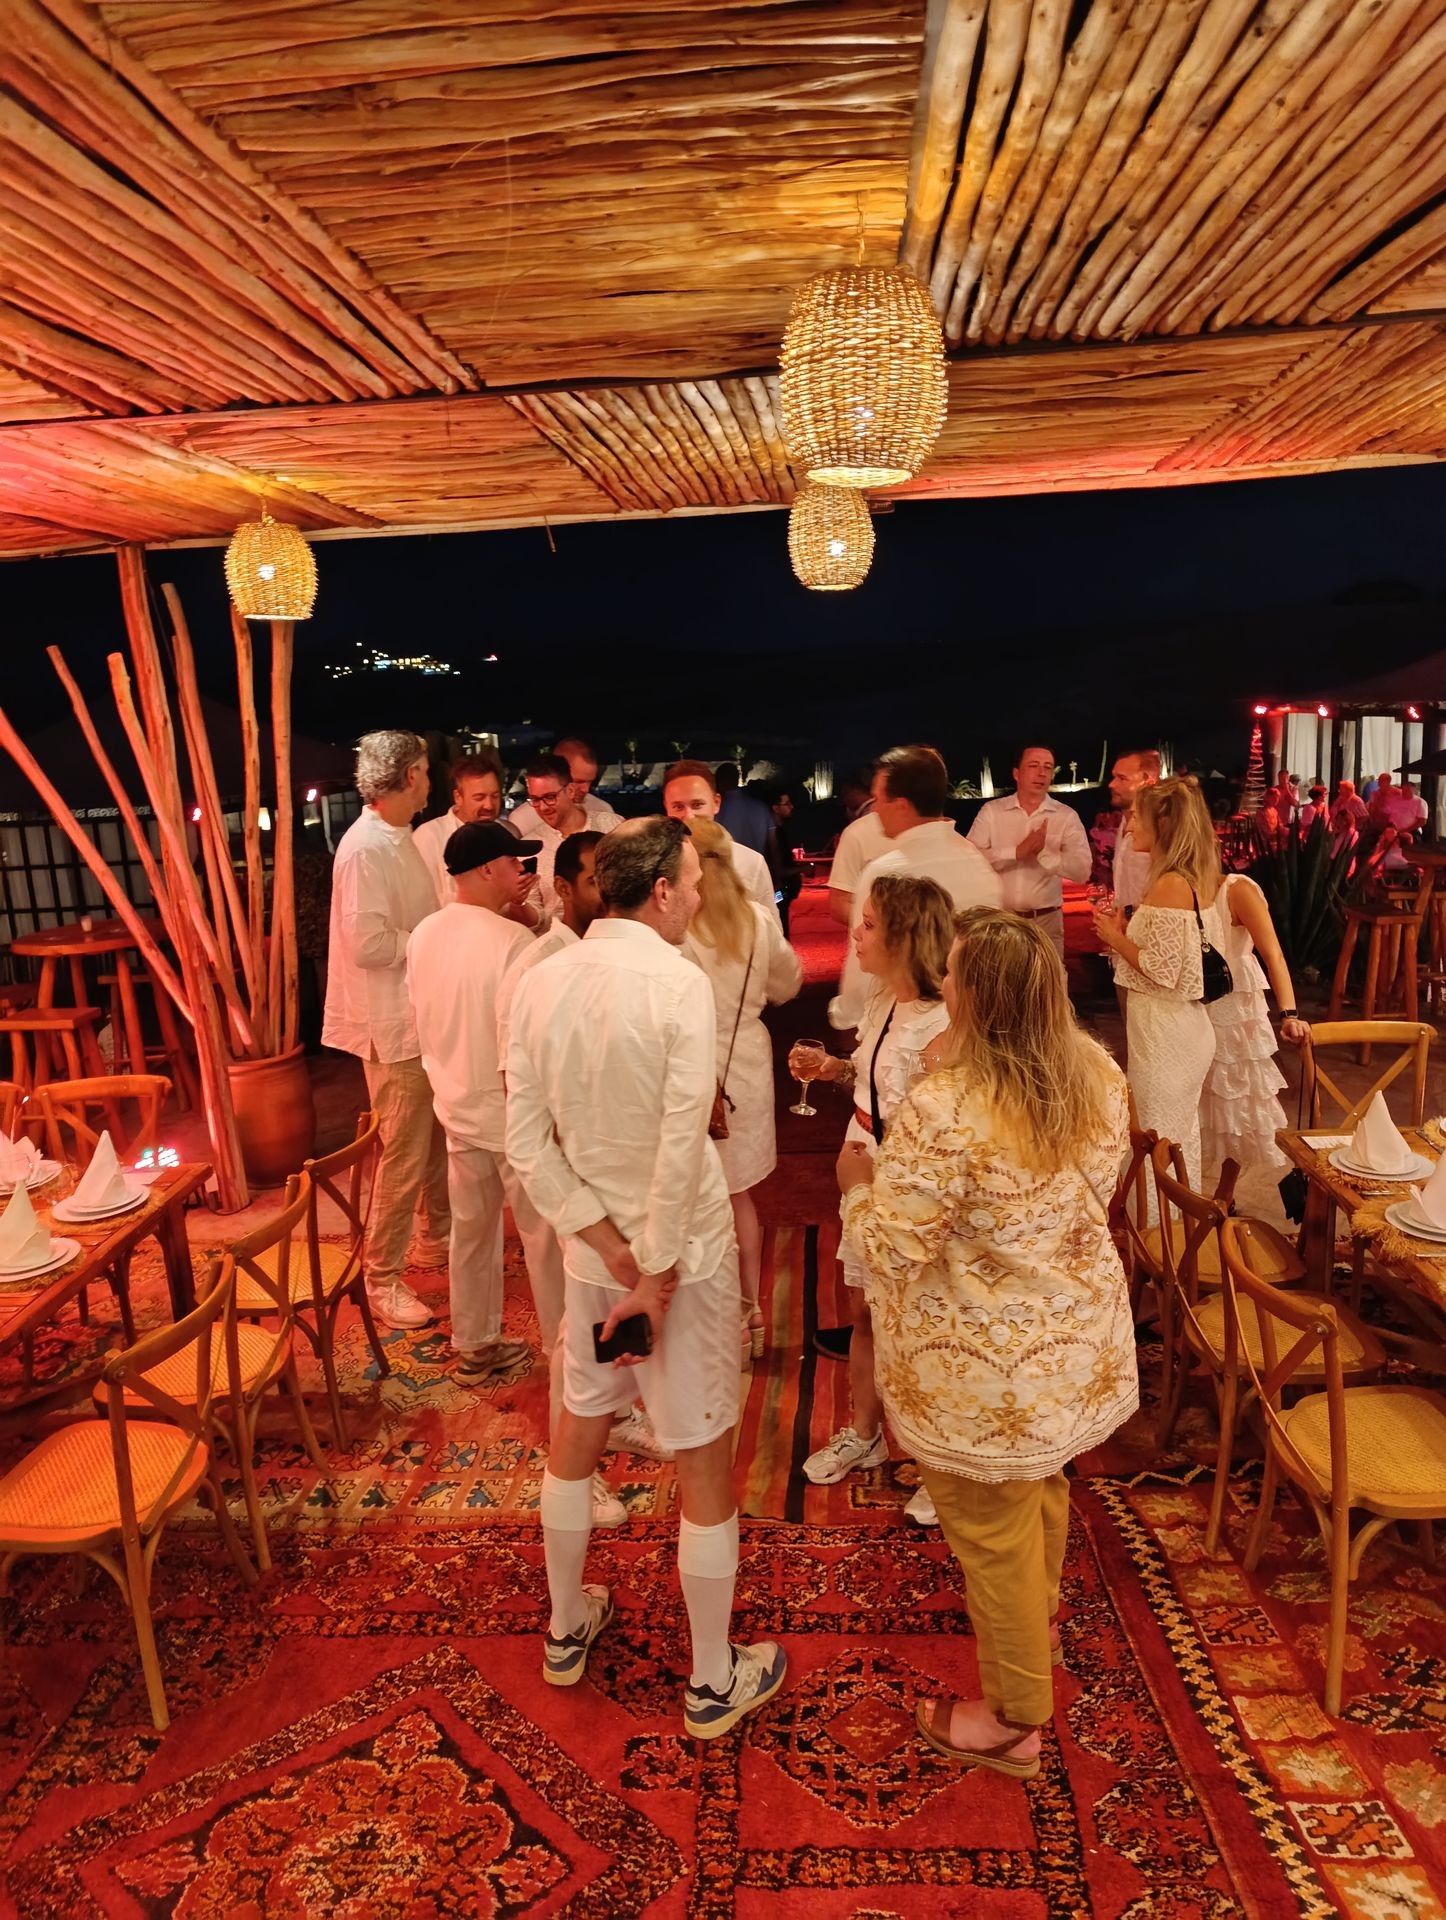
{"x": 805, "y": 1063}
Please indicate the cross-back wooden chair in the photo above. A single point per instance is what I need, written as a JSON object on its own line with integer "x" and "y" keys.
{"x": 1129, "y": 1215}
{"x": 332, "y": 1273}
{"x": 12, "y": 1104}
{"x": 1377, "y": 1450}
{"x": 1193, "y": 1328}
{"x": 106, "y": 1488}
{"x": 1412, "y": 1042}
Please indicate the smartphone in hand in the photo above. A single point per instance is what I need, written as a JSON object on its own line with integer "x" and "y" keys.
{"x": 633, "y": 1335}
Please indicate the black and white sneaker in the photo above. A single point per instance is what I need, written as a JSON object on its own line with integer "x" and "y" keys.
{"x": 564, "y": 1658}
{"x": 758, "y": 1673}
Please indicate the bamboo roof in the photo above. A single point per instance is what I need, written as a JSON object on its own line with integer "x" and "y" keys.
{"x": 445, "y": 264}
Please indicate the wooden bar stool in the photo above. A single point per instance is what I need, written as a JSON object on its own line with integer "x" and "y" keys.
{"x": 131, "y": 1052}
{"x": 69, "y": 1030}
{"x": 1394, "y": 926}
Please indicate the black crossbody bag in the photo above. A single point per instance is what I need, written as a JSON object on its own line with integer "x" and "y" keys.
{"x": 1214, "y": 967}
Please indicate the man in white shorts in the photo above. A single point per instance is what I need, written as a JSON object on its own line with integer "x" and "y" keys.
{"x": 611, "y": 1075}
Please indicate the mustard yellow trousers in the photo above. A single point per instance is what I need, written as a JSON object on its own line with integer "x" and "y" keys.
{"x": 1009, "y": 1538}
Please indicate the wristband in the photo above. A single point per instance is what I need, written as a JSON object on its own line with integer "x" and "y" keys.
{"x": 1290, "y": 1014}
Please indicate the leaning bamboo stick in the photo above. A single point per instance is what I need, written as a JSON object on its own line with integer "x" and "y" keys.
{"x": 251, "y": 814}
{"x": 285, "y": 991}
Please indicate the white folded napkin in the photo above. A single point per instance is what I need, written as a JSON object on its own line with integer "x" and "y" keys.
{"x": 1431, "y": 1199}
{"x": 102, "y": 1184}
{"x": 23, "y": 1241}
{"x": 1378, "y": 1143}
{"x": 19, "y": 1160}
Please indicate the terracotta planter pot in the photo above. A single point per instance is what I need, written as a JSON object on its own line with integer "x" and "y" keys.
{"x": 275, "y": 1115}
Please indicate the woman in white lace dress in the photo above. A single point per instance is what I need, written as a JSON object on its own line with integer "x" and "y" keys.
{"x": 1169, "y": 1034}
{"x": 1240, "y": 1108}
{"x": 742, "y": 950}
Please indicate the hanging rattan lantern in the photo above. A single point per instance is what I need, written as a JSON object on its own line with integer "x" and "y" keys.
{"x": 830, "y": 537}
{"x": 864, "y": 383}
{"x": 270, "y": 571}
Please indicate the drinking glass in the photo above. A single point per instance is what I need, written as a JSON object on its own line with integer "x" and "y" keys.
{"x": 805, "y": 1080}
{"x": 1102, "y": 899}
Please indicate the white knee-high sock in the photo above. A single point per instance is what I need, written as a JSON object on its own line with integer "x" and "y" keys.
{"x": 566, "y": 1524}
{"x": 708, "y": 1569}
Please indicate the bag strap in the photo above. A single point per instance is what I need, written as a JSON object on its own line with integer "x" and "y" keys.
{"x": 742, "y": 996}
{"x": 876, "y": 1118}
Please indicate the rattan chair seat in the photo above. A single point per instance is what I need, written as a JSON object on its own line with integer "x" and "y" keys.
{"x": 337, "y": 1267}
{"x": 67, "y": 1483}
{"x": 1272, "y": 1258}
{"x": 1360, "y": 1350}
{"x": 255, "y": 1350}
{"x": 1396, "y": 1445}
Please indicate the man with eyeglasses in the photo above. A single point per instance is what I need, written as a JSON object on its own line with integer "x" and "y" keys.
{"x": 558, "y": 816}
{"x": 1034, "y": 843}
{"x": 582, "y": 767}
{"x": 611, "y": 1073}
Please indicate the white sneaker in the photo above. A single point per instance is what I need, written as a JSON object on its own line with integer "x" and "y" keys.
{"x": 429, "y": 1250}
{"x": 921, "y": 1509}
{"x": 846, "y": 1451}
{"x": 632, "y": 1432}
{"x": 397, "y": 1306}
{"x": 758, "y": 1673}
{"x": 607, "y": 1509}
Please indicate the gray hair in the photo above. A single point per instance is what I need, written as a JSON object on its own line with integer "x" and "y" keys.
{"x": 634, "y": 857}
{"x": 382, "y": 760}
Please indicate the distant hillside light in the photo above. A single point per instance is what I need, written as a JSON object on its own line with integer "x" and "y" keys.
{"x": 270, "y": 571}
{"x": 864, "y": 383}
{"x": 830, "y": 538}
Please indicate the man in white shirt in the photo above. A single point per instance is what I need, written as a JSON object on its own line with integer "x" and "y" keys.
{"x": 457, "y": 961}
{"x": 582, "y": 767}
{"x": 911, "y": 792}
{"x": 611, "y": 1074}
{"x": 380, "y": 891}
{"x": 477, "y": 780}
{"x": 1131, "y": 868}
{"x": 861, "y": 841}
{"x": 690, "y": 792}
{"x": 1034, "y": 843}
{"x": 558, "y": 815}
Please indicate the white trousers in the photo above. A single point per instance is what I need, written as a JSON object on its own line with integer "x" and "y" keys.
{"x": 479, "y": 1181}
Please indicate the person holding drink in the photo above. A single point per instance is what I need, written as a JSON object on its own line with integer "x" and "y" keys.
{"x": 902, "y": 943}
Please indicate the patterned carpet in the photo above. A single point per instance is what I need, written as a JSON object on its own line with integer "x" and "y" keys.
{"x": 368, "y": 1734}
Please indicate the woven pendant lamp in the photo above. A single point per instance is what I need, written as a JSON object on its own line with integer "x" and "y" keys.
{"x": 270, "y": 571}
{"x": 830, "y": 538}
{"x": 865, "y": 389}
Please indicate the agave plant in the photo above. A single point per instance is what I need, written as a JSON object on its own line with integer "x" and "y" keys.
{"x": 1304, "y": 883}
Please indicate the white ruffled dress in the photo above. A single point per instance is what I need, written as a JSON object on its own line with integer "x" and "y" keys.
{"x": 1240, "y": 1106}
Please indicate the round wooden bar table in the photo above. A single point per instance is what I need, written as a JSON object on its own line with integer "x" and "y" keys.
{"x": 77, "y": 941}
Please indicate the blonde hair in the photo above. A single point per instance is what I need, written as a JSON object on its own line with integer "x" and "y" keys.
{"x": 1185, "y": 840}
{"x": 1015, "y": 1039}
{"x": 724, "y": 920}
{"x": 916, "y": 919}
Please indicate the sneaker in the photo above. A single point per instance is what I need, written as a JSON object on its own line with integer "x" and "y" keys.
{"x": 396, "y": 1305}
{"x": 758, "y": 1673}
{"x": 429, "y": 1250}
{"x": 921, "y": 1509}
{"x": 632, "y": 1432}
{"x": 564, "y": 1660}
{"x": 486, "y": 1364}
{"x": 846, "y": 1451}
{"x": 607, "y": 1509}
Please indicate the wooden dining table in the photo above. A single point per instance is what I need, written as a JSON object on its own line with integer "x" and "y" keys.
{"x": 27, "y": 1305}
{"x": 1417, "y": 1266}
{"x": 94, "y": 938}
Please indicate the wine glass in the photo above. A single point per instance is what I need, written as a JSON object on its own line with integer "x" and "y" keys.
{"x": 1102, "y": 900}
{"x": 797, "y": 1065}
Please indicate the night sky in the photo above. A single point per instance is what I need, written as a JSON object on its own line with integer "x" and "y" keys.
{"x": 1144, "y": 615}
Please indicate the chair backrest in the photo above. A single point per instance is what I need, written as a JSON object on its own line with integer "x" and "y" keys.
{"x": 75, "y": 1113}
{"x": 276, "y": 1236}
{"x": 124, "y": 1376}
{"x": 1292, "y": 1327}
{"x": 1412, "y": 1040}
{"x": 1129, "y": 1204}
{"x": 346, "y": 1178}
{"x": 1187, "y": 1220}
{"x": 12, "y": 1099}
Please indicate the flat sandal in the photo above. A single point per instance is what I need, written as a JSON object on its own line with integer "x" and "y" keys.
{"x": 934, "y": 1726}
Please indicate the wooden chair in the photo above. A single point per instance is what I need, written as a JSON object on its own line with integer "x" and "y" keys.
{"x": 1411, "y": 1038}
{"x": 1193, "y": 1325}
{"x": 1377, "y": 1450}
{"x": 333, "y": 1273}
{"x": 75, "y": 1112}
{"x": 12, "y": 1100}
{"x": 105, "y": 1488}
{"x": 1138, "y": 1243}
{"x": 1392, "y": 954}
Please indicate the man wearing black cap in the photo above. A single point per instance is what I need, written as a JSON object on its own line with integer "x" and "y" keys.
{"x": 457, "y": 960}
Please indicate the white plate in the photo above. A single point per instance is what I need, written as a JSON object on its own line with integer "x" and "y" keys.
{"x": 1340, "y": 1158}
{"x": 76, "y": 1216}
{"x": 1402, "y": 1214}
{"x": 61, "y": 1252}
{"x": 42, "y": 1175}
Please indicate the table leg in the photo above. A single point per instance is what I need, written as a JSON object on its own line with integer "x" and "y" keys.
{"x": 131, "y": 1015}
{"x": 92, "y": 1063}
{"x": 175, "y": 1248}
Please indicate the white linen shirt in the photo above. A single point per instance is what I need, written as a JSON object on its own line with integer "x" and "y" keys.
{"x": 861, "y": 841}
{"x": 610, "y": 1081}
{"x": 1032, "y": 886}
{"x": 1131, "y": 871}
{"x": 557, "y": 936}
{"x": 600, "y": 817}
{"x": 934, "y": 850}
{"x": 380, "y": 891}
{"x": 456, "y": 963}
